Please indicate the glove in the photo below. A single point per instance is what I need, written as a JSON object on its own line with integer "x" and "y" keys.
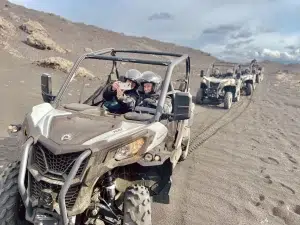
{"x": 150, "y": 101}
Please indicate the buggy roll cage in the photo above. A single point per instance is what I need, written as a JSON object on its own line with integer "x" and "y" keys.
{"x": 217, "y": 64}
{"x": 248, "y": 65}
{"x": 224, "y": 64}
{"x": 109, "y": 54}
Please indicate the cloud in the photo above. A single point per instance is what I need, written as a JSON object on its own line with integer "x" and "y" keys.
{"x": 238, "y": 44}
{"x": 242, "y": 34}
{"x": 223, "y": 28}
{"x": 161, "y": 16}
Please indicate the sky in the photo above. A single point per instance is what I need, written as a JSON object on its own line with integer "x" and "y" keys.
{"x": 237, "y": 30}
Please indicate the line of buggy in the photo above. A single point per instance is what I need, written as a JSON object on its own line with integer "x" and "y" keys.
{"x": 225, "y": 82}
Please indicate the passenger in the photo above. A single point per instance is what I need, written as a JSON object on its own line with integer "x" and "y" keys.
{"x": 122, "y": 101}
{"x": 216, "y": 72}
{"x": 149, "y": 95}
{"x": 229, "y": 72}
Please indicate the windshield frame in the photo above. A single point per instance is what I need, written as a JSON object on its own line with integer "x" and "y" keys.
{"x": 102, "y": 55}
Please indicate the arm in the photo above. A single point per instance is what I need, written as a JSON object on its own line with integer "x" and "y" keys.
{"x": 167, "y": 108}
{"x": 108, "y": 93}
{"x": 128, "y": 100}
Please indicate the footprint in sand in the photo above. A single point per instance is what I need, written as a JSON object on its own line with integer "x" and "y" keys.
{"x": 267, "y": 179}
{"x": 297, "y": 209}
{"x": 291, "y": 158}
{"x": 261, "y": 199}
{"x": 287, "y": 187}
{"x": 293, "y": 169}
{"x": 270, "y": 160}
{"x": 262, "y": 169}
{"x": 281, "y": 213}
{"x": 281, "y": 203}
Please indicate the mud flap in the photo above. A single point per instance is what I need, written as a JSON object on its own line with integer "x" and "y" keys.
{"x": 163, "y": 195}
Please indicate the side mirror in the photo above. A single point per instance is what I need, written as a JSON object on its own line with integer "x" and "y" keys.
{"x": 202, "y": 73}
{"x": 182, "y": 106}
{"x": 46, "y": 87}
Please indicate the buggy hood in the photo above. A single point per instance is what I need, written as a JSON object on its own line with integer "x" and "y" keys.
{"x": 217, "y": 80}
{"x": 65, "y": 127}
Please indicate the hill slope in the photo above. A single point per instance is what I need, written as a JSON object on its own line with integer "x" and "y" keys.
{"x": 74, "y": 38}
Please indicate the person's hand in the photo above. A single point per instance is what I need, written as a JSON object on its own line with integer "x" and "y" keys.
{"x": 120, "y": 93}
{"x": 115, "y": 86}
{"x": 150, "y": 101}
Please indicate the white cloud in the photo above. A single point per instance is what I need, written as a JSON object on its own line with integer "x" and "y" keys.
{"x": 270, "y": 53}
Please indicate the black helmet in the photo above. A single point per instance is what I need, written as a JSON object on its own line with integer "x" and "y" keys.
{"x": 151, "y": 77}
{"x": 253, "y": 61}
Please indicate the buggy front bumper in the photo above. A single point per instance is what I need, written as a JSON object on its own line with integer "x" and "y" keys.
{"x": 213, "y": 93}
{"x": 39, "y": 215}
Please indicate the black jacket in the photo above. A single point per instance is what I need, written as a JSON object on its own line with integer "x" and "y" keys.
{"x": 128, "y": 101}
{"x": 151, "y": 101}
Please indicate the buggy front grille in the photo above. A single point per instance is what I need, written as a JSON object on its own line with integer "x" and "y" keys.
{"x": 214, "y": 85}
{"x": 37, "y": 188}
{"x": 56, "y": 166}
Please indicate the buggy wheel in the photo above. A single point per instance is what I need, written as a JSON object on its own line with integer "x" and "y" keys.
{"x": 12, "y": 210}
{"x": 238, "y": 96}
{"x": 249, "y": 89}
{"x": 228, "y": 100}
{"x": 199, "y": 96}
{"x": 137, "y": 206}
{"x": 185, "y": 148}
{"x": 254, "y": 85}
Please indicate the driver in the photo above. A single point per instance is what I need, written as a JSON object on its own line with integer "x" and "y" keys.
{"x": 149, "y": 95}
{"x": 216, "y": 72}
{"x": 118, "y": 100}
{"x": 229, "y": 72}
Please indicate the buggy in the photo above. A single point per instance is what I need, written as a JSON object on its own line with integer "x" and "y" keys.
{"x": 248, "y": 78}
{"x": 257, "y": 70}
{"x": 220, "y": 84}
{"x": 81, "y": 164}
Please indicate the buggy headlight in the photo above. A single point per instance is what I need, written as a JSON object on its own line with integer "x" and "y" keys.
{"x": 130, "y": 149}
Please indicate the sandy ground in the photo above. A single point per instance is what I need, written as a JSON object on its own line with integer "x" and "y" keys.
{"x": 248, "y": 172}
{"x": 245, "y": 173}
{"x": 244, "y": 165}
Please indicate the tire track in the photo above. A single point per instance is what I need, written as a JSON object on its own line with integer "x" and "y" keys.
{"x": 209, "y": 131}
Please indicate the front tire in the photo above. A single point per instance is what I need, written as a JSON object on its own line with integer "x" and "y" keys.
{"x": 228, "y": 100}
{"x": 249, "y": 89}
{"x": 185, "y": 148}
{"x": 258, "y": 78}
{"x": 137, "y": 206}
{"x": 199, "y": 96}
{"x": 12, "y": 211}
{"x": 238, "y": 96}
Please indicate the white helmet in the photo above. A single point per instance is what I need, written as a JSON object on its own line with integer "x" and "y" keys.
{"x": 151, "y": 77}
{"x": 133, "y": 75}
